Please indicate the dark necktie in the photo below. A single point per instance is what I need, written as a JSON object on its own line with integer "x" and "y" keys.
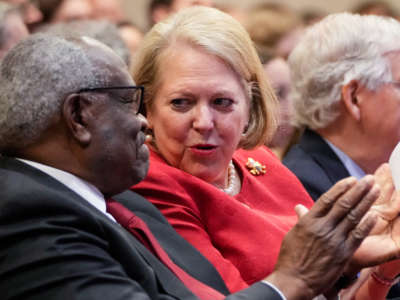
{"x": 140, "y": 230}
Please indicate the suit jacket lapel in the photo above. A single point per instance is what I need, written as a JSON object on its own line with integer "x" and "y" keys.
{"x": 314, "y": 145}
{"x": 169, "y": 282}
{"x": 179, "y": 250}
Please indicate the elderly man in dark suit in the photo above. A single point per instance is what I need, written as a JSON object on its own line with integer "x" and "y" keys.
{"x": 346, "y": 74}
{"x": 71, "y": 136}
{"x": 346, "y": 93}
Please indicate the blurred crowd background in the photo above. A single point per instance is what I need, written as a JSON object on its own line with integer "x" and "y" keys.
{"x": 274, "y": 26}
{"x": 138, "y": 9}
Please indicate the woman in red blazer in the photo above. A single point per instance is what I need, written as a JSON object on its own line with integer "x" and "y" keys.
{"x": 210, "y": 111}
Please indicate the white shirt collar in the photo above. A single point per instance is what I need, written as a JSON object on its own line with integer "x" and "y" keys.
{"x": 350, "y": 165}
{"x": 83, "y": 188}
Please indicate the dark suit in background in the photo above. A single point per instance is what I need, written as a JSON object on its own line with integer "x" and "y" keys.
{"x": 318, "y": 167}
{"x": 314, "y": 162}
{"x": 56, "y": 245}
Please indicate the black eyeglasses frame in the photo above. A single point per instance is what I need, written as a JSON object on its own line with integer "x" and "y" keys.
{"x": 125, "y": 87}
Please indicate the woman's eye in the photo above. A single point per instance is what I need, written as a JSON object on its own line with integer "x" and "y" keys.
{"x": 180, "y": 103}
{"x": 223, "y": 102}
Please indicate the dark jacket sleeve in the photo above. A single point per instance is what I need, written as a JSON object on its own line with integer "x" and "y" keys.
{"x": 259, "y": 291}
{"x": 62, "y": 257}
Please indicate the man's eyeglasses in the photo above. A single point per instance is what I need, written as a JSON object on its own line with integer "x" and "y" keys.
{"x": 134, "y": 95}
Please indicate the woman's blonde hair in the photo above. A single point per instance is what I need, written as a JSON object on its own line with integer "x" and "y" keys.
{"x": 221, "y": 35}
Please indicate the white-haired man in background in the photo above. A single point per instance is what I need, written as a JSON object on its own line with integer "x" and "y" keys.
{"x": 346, "y": 92}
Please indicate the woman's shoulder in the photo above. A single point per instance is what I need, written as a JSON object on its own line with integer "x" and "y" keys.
{"x": 263, "y": 166}
{"x": 260, "y": 154}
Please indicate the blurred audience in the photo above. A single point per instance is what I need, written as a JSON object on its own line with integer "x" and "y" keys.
{"x": 131, "y": 34}
{"x": 312, "y": 16}
{"x": 274, "y": 29}
{"x": 380, "y": 8}
{"x": 278, "y": 73}
{"x": 270, "y": 25}
{"x": 110, "y": 10}
{"x": 68, "y": 10}
{"x": 101, "y": 30}
{"x": 238, "y": 12}
{"x": 29, "y": 11}
{"x": 12, "y": 27}
{"x": 161, "y": 9}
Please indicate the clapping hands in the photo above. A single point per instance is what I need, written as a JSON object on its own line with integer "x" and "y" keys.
{"x": 383, "y": 242}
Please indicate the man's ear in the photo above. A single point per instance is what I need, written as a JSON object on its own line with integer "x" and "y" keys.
{"x": 76, "y": 114}
{"x": 350, "y": 99}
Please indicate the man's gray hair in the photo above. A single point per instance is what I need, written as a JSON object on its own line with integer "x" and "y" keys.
{"x": 102, "y": 30}
{"x": 340, "y": 48}
{"x": 35, "y": 77}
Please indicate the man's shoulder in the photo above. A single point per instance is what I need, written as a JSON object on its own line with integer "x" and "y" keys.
{"x": 308, "y": 165}
{"x": 19, "y": 180}
{"x": 28, "y": 193}
{"x": 56, "y": 229}
{"x": 307, "y": 157}
{"x": 299, "y": 161}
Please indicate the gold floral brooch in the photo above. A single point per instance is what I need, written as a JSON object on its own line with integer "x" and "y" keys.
{"x": 255, "y": 167}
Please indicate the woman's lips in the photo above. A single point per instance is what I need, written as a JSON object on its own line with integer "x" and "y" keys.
{"x": 203, "y": 149}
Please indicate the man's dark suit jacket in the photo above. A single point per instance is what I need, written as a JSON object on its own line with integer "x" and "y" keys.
{"x": 56, "y": 245}
{"x": 315, "y": 164}
{"x": 319, "y": 168}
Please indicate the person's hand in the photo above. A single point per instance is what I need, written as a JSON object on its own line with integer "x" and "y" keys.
{"x": 383, "y": 242}
{"x": 315, "y": 252}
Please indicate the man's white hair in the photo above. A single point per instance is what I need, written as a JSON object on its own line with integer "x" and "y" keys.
{"x": 340, "y": 48}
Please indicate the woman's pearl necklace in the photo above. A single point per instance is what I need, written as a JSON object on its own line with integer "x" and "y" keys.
{"x": 230, "y": 190}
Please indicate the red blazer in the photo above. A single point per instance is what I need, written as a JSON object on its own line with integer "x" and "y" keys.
{"x": 240, "y": 235}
